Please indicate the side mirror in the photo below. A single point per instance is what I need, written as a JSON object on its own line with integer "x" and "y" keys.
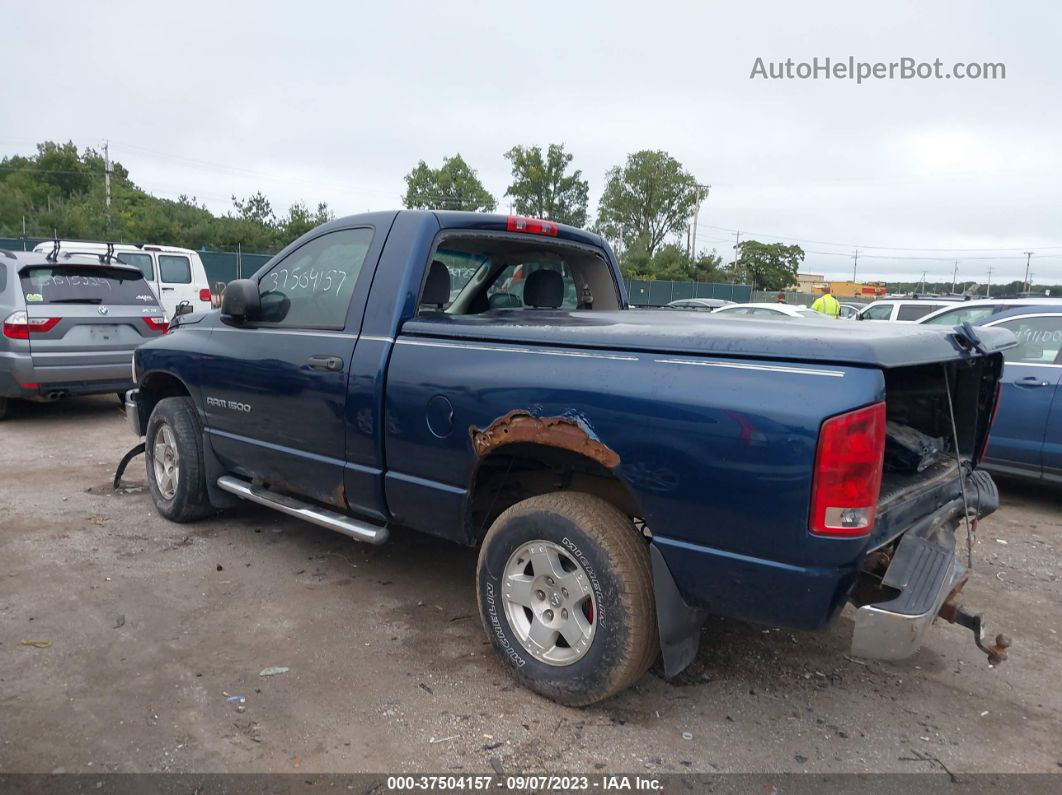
{"x": 241, "y": 300}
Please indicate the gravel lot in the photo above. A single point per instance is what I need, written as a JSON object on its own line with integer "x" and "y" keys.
{"x": 152, "y": 625}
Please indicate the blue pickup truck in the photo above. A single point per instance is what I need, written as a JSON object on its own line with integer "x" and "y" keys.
{"x": 624, "y": 473}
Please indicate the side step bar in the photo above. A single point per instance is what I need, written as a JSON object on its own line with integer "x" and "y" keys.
{"x": 348, "y": 526}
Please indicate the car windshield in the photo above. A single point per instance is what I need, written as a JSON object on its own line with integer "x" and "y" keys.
{"x": 808, "y": 313}
{"x": 85, "y": 284}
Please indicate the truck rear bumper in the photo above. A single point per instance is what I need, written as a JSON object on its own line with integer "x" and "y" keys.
{"x": 926, "y": 572}
{"x": 922, "y": 573}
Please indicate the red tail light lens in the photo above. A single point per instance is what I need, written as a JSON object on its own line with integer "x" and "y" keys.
{"x": 531, "y": 226}
{"x": 204, "y": 295}
{"x": 848, "y": 465}
{"x": 18, "y": 326}
{"x": 156, "y": 324}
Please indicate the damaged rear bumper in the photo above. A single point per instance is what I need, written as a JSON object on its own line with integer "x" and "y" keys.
{"x": 923, "y": 573}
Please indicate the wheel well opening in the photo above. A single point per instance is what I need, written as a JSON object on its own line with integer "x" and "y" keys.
{"x": 156, "y": 386}
{"x": 515, "y": 472}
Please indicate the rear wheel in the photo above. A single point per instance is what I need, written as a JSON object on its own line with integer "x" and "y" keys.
{"x": 566, "y": 596}
{"x": 174, "y": 456}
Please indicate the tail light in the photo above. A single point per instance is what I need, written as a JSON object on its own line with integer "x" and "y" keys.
{"x": 204, "y": 294}
{"x": 18, "y": 326}
{"x": 156, "y": 324}
{"x": 848, "y": 465}
{"x": 991, "y": 421}
{"x": 531, "y": 226}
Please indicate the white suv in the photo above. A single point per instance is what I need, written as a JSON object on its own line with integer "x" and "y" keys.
{"x": 174, "y": 274}
{"x": 903, "y": 310}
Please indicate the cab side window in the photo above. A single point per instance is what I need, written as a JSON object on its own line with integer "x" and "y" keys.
{"x": 175, "y": 269}
{"x": 879, "y": 312}
{"x": 1039, "y": 339}
{"x": 312, "y": 286}
{"x": 915, "y": 311}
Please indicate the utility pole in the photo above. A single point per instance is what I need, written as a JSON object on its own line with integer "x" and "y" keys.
{"x": 107, "y": 183}
{"x": 954, "y": 274}
{"x": 696, "y": 213}
{"x": 855, "y": 267}
{"x": 1028, "y": 257}
{"x": 988, "y": 287}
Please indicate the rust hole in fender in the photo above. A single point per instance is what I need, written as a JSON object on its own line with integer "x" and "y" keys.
{"x": 520, "y": 426}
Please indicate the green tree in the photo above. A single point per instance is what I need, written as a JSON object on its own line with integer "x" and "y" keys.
{"x": 768, "y": 266}
{"x": 647, "y": 199}
{"x": 300, "y": 220}
{"x": 541, "y": 188}
{"x": 453, "y": 186}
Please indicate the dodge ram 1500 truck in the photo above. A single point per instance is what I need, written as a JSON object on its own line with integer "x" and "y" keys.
{"x": 623, "y": 472}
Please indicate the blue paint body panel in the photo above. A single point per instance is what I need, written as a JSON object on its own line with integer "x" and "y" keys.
{"x": 715, "y": 421}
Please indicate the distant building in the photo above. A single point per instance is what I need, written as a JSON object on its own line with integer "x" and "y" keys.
{"x": 858, "y": 290}
{"x": 817, "y": 282}
{"x": 810, "y": 282}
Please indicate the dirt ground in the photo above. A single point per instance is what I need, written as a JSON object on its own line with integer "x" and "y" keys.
{"x": 153, "y": 625}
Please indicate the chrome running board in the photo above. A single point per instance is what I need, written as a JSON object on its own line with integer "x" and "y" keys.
{"x": 348, "y": 526}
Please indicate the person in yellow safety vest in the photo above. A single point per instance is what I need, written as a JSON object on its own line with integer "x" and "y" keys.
{"x": 827, "y": 304}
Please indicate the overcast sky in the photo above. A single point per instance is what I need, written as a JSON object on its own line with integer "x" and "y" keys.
{"x": 338, "y": 101}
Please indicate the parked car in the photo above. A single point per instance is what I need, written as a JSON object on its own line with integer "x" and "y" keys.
{"x": 175, "y": 275}
{"x": 903, "y": 310}
{"x": 623, "y": 472}
{"x": 699, "y": 304}
{"x": 849, "y": 311}
{"x": 774, "y": 311}
{"x": 1026, "y": 437}
{"x": 976, "y": 311}
{"x": 70, "y": 325}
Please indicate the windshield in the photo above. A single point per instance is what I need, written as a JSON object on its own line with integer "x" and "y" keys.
{"x": 954, "y": 317}
{"x": 85, "y": 285}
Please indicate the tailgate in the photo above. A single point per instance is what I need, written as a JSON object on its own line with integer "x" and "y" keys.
{"x": 87, "y": 316}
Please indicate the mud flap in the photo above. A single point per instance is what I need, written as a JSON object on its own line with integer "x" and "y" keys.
{"x": 679, "y": 624}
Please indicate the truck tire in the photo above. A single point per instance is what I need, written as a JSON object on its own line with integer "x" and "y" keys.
{"x": 565, "y": 593}
{"x": 173, "y": 454}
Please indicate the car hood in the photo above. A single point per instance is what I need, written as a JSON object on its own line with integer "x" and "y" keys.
{"x": 842, "y": 342}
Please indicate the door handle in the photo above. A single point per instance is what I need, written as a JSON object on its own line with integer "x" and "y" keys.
{"x": 1030, "y": 380}
{"x": 333, "y": 363}
{"x": 168, "y": 289}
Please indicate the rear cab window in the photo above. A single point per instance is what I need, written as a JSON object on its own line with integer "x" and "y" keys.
{"x": 491, "y": 272}
{"x": 85, "y": 284}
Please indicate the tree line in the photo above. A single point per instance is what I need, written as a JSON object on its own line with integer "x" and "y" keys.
{"x": 645, "y": 210}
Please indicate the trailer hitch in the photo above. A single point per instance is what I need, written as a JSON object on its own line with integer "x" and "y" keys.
{"x": 956, "y": 614}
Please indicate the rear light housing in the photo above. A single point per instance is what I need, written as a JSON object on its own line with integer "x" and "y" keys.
{"x": 848, "y": 468}
{"x": 531, "y": 226}
{"x": 204, "y": 295}
{"x": 18, "y": 326}
{"x": 156, "y": 324}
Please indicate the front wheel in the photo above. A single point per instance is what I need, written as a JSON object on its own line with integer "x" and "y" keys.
{"x": 173, "y": 451}
{"x": 566, "y": 596}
